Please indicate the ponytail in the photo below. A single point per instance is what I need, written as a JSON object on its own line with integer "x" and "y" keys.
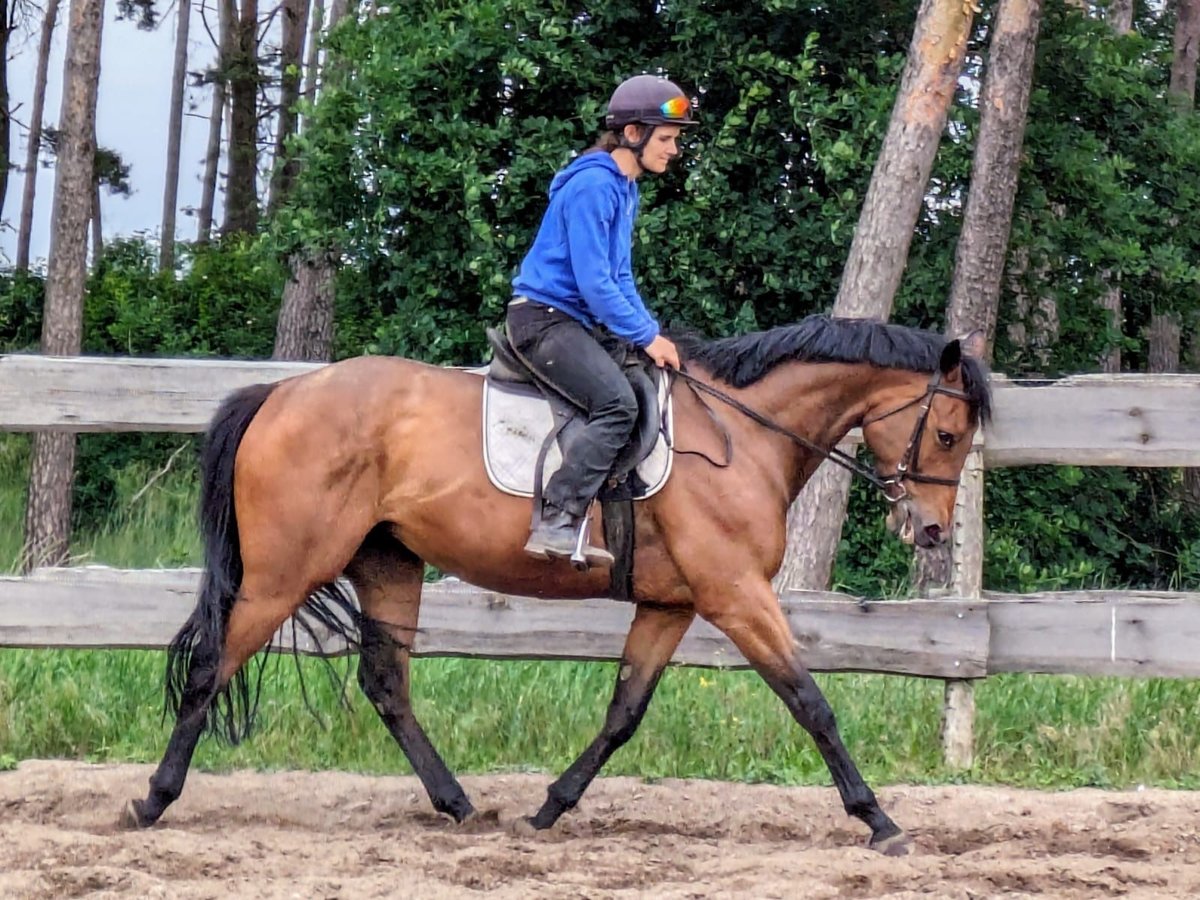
{"x": 607, "y": 142}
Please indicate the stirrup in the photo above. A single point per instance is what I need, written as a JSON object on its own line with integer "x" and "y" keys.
{"x": 586, "y": 555}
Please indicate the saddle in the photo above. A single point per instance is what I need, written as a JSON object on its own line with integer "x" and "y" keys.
{"x": 526, "y": 424}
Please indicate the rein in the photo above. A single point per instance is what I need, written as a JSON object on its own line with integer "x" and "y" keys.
{"x": 906, "y": 470}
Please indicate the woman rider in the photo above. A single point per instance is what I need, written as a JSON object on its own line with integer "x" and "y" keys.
{"x": 574, "y": 296}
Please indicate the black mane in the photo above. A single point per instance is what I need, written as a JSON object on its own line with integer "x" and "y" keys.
{"x": 744, "y": 359}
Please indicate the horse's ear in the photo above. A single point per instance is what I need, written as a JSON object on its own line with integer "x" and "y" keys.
{"x": 974, "y": 344}
{"x": 951, "y": 357}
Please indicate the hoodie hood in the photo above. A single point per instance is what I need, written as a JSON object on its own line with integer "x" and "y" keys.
{"x": 593, "y": 160}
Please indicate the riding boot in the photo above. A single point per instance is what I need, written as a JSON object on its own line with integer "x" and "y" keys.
{"x": 556, "y": 535}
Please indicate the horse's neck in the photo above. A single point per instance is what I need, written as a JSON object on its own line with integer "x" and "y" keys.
{"x": 821, "y": 402}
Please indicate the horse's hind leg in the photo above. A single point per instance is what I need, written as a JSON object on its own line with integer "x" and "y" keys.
{"x": 387, "y": 578}
{"x": 754, "y": 621}
{"x": 254, "y": 618}
{"x": 652, "y": 639}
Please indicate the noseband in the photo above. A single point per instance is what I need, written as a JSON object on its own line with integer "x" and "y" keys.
{"x": 892, "y": 486}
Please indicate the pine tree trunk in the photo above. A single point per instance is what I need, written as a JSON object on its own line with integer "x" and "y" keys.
{"x": 291, "y": 57}
{"x": 1191, "y": 477}
{"x": 987, "y": 219}
{"x": 1183, "y": 61}
{"x": 312, "y": 63}
{"x": 305, "y": 328}
{"x": 879, "y": 250}
{"x": 1110, "y": 301}
{"x": 241, "y": 194}
{"x": 227, "y": 15}
{"x": 6, "y": 29}
{"x": 1162, "y": 339}
{"x": 1120, "y": 16}
{"x": 29, "y": 191}
{"x": 166, "y": 256}
{"x": 97, "y": 224}
{"x": 48, "y": 512}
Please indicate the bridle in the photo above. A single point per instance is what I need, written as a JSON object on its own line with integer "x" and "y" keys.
{"x": 906, "y": 469}
{"x": 891, "y": 485}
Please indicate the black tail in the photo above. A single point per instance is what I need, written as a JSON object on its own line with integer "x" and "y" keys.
{"x": 195, "y": 652}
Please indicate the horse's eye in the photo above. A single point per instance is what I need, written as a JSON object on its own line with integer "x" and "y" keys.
{"x": 946, "y": 439}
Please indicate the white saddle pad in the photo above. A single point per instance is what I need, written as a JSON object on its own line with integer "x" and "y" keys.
{"x": 516, "y": 421}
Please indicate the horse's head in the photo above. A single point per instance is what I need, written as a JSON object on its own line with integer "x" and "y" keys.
{"x": 920, "y": 429}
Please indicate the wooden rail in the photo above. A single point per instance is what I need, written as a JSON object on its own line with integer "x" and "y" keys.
{"x": 1100, "y": 420}
{"x": 1139, "y": 633}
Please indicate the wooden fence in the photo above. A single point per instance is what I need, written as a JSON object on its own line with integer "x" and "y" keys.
{"x": 1131, "y": 420}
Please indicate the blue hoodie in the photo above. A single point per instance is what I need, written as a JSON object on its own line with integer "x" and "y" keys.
{"x": 580, "y": 260}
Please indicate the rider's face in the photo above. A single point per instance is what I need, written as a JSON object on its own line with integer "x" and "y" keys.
{"x": 662, "y": 147}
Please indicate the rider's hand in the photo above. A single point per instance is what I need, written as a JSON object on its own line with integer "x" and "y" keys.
{"x": 663, "y": 352}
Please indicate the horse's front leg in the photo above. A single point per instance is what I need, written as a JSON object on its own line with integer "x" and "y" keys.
{"x": 652, "y": 639}
{"x": 754, "y": 621}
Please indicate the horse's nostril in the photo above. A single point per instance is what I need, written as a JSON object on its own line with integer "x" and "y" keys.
{"x": 934, "y": 533}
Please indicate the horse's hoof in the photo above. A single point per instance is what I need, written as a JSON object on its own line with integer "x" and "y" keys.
{"x": 898, "y": 844}
{"x": 131, "y": 816}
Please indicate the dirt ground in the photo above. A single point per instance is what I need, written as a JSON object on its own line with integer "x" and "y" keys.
{"x": 333, "y": 835}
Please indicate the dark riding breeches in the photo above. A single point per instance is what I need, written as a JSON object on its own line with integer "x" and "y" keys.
{"x": 580, "y": 365}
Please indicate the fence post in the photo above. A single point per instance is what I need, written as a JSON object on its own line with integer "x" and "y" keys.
{"x": 958, "y": 708}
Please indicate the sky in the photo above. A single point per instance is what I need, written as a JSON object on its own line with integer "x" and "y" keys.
{"x": 131, "y": 118}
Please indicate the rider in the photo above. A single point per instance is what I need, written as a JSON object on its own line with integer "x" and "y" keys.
{"x": 575, "y": 304}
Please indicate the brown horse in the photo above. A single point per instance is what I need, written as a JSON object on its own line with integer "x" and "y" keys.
{"x": 372, "y": 467}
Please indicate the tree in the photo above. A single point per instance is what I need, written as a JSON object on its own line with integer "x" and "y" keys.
{"x": 312, "y": 62}
{"x": 305, "y": 328}
{"x": 1120, "y": 16}
{"x": 166, "y": 259}
{"x": 291, "y": 59}
{"x": 34, "y": 142}
{"x": 48, "y": 511}
{"x": 995, "y": 169}
{"x": 879, "y": 251}
{"x": 219, "y": 77}
{"x": 241, "y": 190}
{"x": 11, "y": 14}
{"x": 1182, "y": 89}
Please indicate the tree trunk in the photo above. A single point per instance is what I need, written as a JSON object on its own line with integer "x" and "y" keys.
{"x": 337, "y": 10}
{"x": 879, "y": 250}
{"x": 305, "y": 328}
{"x": 241, "y": 194}
{"x": 1191, "y": 477}
{"x": 6, "y": 30}
{"x": 312, "y": 63}
{"x": 1162, "y": 338}
{"x": 227, "y": 15}
{"x": 166, "y": 256}
{"x": 987, "y": 220}
{"x": 291, "y": 57}
{"x": 1120, "y": 16}
{"x": 1183, "y": 62}
{"x": 1110, "y": 301}
{"x": 29, "y": 191}
{"x": 48, "y": 512}
{"x": 97, "y": 217}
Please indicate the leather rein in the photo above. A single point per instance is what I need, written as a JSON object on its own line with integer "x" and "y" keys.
{"x": 906, "y": 470}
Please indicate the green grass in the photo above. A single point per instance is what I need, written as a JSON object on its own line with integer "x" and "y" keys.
{"x": 1046, "y": 731}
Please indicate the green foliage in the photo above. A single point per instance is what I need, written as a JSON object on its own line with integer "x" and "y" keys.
{"x": 20, "y": 311}
{"x": 427, "y": 164}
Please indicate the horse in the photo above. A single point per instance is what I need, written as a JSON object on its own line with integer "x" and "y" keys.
{"x": 370, "y": 468}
